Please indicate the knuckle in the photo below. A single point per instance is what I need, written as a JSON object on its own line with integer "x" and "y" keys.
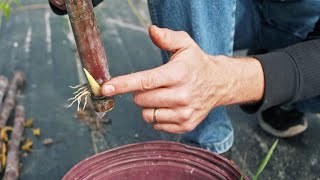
{"x": 147, "y": 82}
{"x": 186, "y": 37}
{"x": 180, "y": 72}
{"x": 187, "y": 127}
{"x": 184, "y": 33}
{"x": 186, "y": 114}
{"x": 145, "y": 115}
{"x": 137, "y": 99}
{"x": 183, "y": 99}
{"x": 177, "y": 76}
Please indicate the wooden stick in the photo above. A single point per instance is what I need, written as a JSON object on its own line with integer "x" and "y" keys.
{"x": 10, "y": 100}
{"x": 12, "y": 167}
{"x": 3, "y": 87}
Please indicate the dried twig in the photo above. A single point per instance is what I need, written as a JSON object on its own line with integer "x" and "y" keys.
{"x": 12, "y": 167}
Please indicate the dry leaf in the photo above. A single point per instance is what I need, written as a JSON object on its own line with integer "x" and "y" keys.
{"x": 47, "y": 141}
{"x": 36, "y": 131}
{"x": 28, "y": 123}
{"x": 27, "y": 145}
{"x": 3, "y": 133}
{"x": 3, "y": 154}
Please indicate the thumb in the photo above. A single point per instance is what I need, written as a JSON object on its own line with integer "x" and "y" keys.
{"x": 169, "y": 40}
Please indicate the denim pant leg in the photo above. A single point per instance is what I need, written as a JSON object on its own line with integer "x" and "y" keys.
{"x": 211, "y": 24}
{"x": 309, "y": 106}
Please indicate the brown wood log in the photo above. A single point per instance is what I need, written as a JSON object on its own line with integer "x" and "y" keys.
{"x": 12, "y": 166}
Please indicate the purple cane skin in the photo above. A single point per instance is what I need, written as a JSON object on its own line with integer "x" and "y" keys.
{"x": 87, "y": 36}
{"x": 90, "y": 47}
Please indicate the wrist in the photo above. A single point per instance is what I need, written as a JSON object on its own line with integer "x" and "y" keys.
{"x": 245, "y": 79}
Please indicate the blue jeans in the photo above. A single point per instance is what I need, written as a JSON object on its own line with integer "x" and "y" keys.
{"x": 221, "y": 26}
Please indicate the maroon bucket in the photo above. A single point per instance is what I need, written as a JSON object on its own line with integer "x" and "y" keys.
{"x": 157, "y": 160}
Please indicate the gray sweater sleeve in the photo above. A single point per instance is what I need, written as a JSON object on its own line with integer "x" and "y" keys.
{"x": 291, "y": 74}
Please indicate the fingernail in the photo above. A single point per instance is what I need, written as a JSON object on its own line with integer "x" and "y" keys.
{"x": 108, "y": 89}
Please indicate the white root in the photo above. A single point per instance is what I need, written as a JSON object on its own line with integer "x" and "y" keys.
{"x": 81, "y": 93}
{"x": 78, "y": 86}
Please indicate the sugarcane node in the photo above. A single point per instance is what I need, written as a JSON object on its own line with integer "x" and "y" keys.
{"x": 102, "y": 103}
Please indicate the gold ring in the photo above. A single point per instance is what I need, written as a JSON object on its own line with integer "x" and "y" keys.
{"x": 155, "y": 113}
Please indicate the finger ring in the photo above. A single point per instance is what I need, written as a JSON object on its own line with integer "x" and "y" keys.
{"x": 155, "y": 113}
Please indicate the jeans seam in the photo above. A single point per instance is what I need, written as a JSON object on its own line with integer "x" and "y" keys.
{"x": 230, "y": 51}
{"x": 153, "y": 13}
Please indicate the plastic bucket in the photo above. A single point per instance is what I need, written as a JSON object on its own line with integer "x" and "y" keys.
{"x": 157, "y": 160}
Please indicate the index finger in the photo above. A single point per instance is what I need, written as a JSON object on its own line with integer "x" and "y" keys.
{"x": 162, "y": 76}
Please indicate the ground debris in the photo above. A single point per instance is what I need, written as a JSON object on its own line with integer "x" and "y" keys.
{"x": 29, "y": 123}
{"x": 47, "y": 141}
{"x": 36, "y": 132}
{"x": 25, "y": 154}
{"x": 4, "y": 133}
{"x": 89, "y": 117}
{"x": 3, "y": 155}
{"x": 95, "y": 123}
{"x": 27, "y": 145}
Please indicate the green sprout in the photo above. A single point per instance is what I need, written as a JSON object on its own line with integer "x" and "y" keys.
{"x": 264, "y": 162}
{"x": 5, "y": 8}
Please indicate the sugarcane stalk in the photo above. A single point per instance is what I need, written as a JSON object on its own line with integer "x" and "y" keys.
{"x": 12, "y": 166}
{"x": 3, "y": 88}
{"x": 10, "y": 99}
{"x": 90, "y": 48}
{"x": 9, "y": 103}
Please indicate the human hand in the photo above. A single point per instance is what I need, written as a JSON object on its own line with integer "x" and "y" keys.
{"x": 185, "y": 89}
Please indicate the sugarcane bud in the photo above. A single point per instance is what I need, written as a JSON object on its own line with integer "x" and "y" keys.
{"x": 95, "y": 87}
